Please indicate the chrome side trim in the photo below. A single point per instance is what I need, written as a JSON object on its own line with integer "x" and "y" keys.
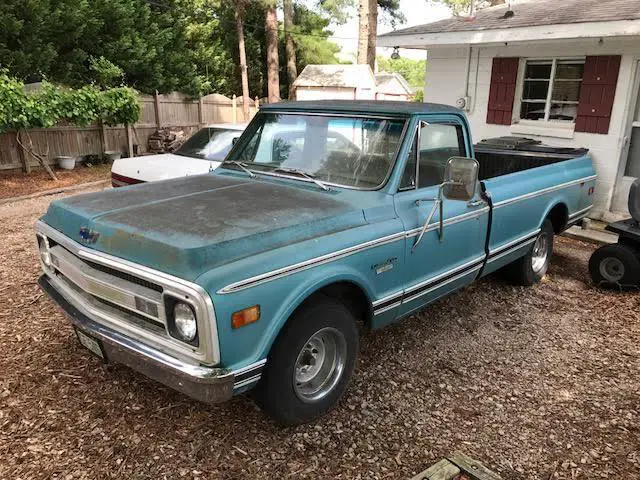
{"x": 439, "y": 285}
{"x": 449, "y": 221}
{"x": 443, "y": 275}
{"x": 580, "y": 212}
{"x": 209, "y": 350}
{"x": 387, "y": 308}
{"x": 329, "y": 257}
{"x": 253, "y": 366}
{"x": 537, "y": 193}
{"x": 505, "y": 246}
{"x": 511, "y": 250}
{"x": 248, "y": 381}
{"x": 298, "y": 267}
{"x": 462, "y": 269}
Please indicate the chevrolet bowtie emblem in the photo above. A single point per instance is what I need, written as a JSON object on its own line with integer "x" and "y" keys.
{"x": 88, "y": 236}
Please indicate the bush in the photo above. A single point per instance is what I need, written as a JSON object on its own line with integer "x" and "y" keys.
{"x": 52, "y": 104}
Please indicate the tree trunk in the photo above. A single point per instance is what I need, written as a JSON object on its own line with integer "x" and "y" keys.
{"x": 243, "y": 59}
{"x": 290, "y": 47}
{"x": 373, "y": 31}
{"x": 363, "y": 32}
{"x": 273, "y": 62}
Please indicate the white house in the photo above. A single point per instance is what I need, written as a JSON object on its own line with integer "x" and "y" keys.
{"x": 344, "y": 82}
{"x": 565, "y": 72}
{"x": 392, "y": 86}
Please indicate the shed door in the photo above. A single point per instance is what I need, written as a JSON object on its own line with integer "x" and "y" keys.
{"x": 630, "y": 152}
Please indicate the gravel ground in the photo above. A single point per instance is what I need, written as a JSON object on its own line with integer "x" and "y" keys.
{"x": 15, "y": 184}
{"x": 539, "y": 382}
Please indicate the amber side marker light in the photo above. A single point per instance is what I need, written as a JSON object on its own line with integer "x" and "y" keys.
{"x": 245, "y": 317}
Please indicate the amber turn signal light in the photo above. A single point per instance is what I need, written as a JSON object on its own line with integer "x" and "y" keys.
{"x": 245, "y": 317}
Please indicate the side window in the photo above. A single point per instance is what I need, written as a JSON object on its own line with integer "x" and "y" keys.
{"x": 438, "y": 143}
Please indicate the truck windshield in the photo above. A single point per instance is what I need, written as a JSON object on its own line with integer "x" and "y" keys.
{"x": 347, "y": 151}
{"x": 209, "y": 144}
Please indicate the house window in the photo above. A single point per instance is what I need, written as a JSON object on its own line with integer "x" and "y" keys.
{"x": 551, "y": 89}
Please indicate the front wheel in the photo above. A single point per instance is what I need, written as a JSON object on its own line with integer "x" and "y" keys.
{"x": 615, "y": 265}
{"x": 310, "y": 364}
{"x": 530, "y": 269}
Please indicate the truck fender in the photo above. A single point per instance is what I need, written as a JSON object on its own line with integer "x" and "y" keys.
{"x": 312, "y": 283}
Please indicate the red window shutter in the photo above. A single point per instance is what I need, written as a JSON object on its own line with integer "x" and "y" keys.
{"x": 597, "y": 93}
{"x": 503, "y": 90}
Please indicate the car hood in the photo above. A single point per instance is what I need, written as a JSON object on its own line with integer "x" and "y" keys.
{"x": 150, "y": 168}
{"x": 187, "y": 226}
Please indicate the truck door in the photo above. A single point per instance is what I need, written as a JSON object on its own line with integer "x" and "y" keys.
{"x": 436, "y": 266}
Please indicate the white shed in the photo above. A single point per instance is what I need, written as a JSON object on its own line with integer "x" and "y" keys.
{"x": 392, "y": 86}
{"x": 566, "y": 72}
{"x": 343, "y": 82}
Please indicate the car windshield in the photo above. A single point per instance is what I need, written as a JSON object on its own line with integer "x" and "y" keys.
{"x": 209, "y": 144}
{"x": 340, "y": 150}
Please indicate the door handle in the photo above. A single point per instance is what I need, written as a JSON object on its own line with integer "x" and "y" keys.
{"x": 475, "y": 203}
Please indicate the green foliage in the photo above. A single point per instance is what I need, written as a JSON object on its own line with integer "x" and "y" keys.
{"x": 51, "y": 104}
{"x": 189, "y": 46}
{"x": 413, "y": 71}
{"x": 419, "y": 95}
{"x": 106, "y": 73}
{"x": 119, "y": 106}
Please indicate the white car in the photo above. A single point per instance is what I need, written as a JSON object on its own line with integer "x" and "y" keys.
{"x": 201, "y": 153}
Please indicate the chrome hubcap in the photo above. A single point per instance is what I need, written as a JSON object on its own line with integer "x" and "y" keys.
{"x": 540, "y": 253}
{"x": 320, "y": 365}
{"x": 612, "y": 269}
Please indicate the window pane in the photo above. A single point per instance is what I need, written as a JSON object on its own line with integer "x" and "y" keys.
{"x": 538, "y": 70}
{"x": 535, "y": 90}
{"x": 563, "y": 112}
{"x": 409, "y": 175}
{"x": 532, "y": 111}
{"x": 569, "y": 71}
{"x": 568, "y": 91}
{"x": 350, "y": 151}
{"x": 633, "y": 160}
{"x": 438, "y": 143}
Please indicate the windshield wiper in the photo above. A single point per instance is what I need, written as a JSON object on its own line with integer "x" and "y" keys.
{"x": 295, "y": 171}
{"x": 242, "y": 166}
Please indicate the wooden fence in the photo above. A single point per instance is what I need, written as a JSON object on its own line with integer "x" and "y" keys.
{"x": 157, "y": 111}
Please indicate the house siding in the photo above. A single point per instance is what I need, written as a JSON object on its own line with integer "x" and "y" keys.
{"x": 445, "y": 83}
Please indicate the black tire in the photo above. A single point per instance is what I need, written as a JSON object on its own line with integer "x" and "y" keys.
{"x": 522, "y": 271}
{"x": 615, "y": 265}
{"x": 278, "y": 393}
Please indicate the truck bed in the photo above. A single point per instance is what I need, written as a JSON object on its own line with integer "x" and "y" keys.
{"x": 505, "y": 155}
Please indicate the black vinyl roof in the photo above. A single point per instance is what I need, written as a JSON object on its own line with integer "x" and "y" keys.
{"x": 375, "y": 107}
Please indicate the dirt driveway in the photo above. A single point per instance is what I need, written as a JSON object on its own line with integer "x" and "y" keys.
{"x": 539, "y": 383}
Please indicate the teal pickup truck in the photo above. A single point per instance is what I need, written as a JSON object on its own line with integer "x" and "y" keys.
{"x": 323, "y": 215}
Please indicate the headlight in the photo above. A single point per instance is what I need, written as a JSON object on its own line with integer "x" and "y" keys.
{"x": 185, "y": 321}
{"x": 45, "y": 254}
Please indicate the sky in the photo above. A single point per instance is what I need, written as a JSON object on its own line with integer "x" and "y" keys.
{"x": 417, "y": 12}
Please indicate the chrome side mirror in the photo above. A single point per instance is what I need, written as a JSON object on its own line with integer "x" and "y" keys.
{"x": 460, "y": 178}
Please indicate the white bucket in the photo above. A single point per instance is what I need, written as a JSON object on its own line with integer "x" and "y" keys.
{"x": 113, "y": 155}
{"x": 66, "y": 163}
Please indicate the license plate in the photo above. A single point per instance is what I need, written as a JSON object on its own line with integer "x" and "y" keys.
{"x": 92, "y": 344}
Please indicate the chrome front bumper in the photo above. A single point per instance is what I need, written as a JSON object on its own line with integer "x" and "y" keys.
{"x": 206, "y": 384}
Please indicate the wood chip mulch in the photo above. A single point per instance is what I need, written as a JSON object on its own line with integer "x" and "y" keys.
{"x": 540, "y": 382}
{"x": 17, "y": 184}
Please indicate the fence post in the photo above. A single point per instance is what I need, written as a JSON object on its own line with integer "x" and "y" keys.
{"x": 234, "y": 106}
{"x": 201, "y": 112}
{"x": 103, "y": 137}
{"x": 129, "y": 140}
{"x": 156, "y": 99}
{"x": 23, "y": 158}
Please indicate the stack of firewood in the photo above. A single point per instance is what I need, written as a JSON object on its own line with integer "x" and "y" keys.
{"x": 166, "y": 140}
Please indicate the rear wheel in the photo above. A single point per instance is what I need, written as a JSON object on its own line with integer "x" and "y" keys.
{"x": 311, "y": 363}
{"x": 615, "y": 265}
{"x": 530, "y": 269}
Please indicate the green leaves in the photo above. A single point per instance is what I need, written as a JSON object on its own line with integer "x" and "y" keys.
{"x": 52, "y": 105}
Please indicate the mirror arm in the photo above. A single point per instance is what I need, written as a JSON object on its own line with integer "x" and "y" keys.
{"x": 437, "y": 205}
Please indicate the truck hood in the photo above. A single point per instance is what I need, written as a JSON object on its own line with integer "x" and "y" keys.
{"x": 187, "y": 226}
